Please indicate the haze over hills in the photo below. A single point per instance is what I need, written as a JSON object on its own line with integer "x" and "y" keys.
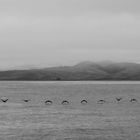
{"x": 82, "y": 71}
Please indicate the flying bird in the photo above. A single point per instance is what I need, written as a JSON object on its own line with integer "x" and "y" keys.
{"x": 4, "y": 99}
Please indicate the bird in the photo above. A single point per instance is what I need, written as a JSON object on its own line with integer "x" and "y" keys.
{"x": 4, "y": 100}
{"x": 65, "y": 102}
{"x": 101, "y": 101}
{"x": 133, "y": 100}
{"x": 84, "y": 102}
{"x": 26, "y": 100}
{"x": 118, "y": 99}
{"x": 48, "y": 102}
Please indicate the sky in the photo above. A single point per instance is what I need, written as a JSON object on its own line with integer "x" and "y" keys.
{"x": 65, "y": 32}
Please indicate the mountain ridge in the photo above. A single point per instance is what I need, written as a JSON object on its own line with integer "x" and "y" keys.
{"x": 82, "y": 71}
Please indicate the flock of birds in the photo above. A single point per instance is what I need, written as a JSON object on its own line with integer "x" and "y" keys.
{"x": 66, "y": 102}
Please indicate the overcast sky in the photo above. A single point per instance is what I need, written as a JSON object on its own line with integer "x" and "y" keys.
{"x": 64, "y": 32}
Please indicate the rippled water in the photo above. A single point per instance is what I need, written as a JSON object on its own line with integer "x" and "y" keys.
{"x": 92, "y": 121}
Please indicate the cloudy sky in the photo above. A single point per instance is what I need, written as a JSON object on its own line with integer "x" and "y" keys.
{"x": 64, "y": 32}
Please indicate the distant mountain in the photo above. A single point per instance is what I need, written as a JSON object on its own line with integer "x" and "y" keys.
{"x": 83, "y": 71}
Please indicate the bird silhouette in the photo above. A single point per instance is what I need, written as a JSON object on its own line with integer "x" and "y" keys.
{"x": 119, "y": 99}
{"x": 26, "y": 100}
{"x": 101, "y": 101}
{"x": 65, "y": 102}
{"x": 133, "y": 100}
{"x": 48, "y": 102}
{"x": 4, "y": 100}
{"x": 84, "y": 102}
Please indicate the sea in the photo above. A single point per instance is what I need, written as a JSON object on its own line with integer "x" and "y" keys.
{"x": 101, "y": 117}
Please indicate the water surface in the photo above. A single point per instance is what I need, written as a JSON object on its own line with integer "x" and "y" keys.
{"x": 92, "y": 121}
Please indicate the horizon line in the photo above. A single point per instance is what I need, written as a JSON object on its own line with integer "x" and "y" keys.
{"x": 41, "y": 66}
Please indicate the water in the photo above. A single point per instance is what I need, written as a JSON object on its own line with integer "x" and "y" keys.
{"x": 36, "y": 121}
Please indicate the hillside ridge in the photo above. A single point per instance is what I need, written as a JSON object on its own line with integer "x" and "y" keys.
{"x": 82, "y": 71}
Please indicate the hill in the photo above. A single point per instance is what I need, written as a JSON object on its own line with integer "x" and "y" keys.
{"x": 82, "y": 71}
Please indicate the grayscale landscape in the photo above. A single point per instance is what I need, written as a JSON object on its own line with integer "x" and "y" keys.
{"x": 84, "y": 71}
{"x": 69, "y": 69}
{"x": 94, "y": 120}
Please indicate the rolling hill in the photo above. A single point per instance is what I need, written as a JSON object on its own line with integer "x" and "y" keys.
{"x": 82, "y": 71}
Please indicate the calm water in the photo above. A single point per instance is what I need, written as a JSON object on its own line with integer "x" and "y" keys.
{"x": 36, "y": 121}
{"x": 73, "y": 91}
